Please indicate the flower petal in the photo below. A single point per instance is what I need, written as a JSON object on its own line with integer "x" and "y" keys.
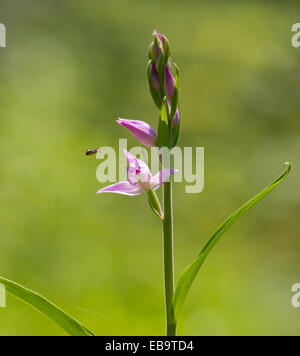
{"x": 124, "y": 188}
{"x": 130, "y": 158}
{"x": 132, "y": 175}
{"x": 162, "y": 177}
{"x": 138, "y": 172}
{"x": 140, "y": 167}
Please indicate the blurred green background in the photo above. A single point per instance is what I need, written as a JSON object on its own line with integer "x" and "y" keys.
{"x": 69, "y": 70}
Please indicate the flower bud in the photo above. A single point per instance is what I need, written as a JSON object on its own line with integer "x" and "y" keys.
{"x": 163, "y": 41}
{"x": 141, "y": 130}
{"x": 156, "y": 53}
{"x": 152, "y": 52}
{"x": 154, "y": 84}
{"x": 169, "y": 83}
{"x": 176, "y": 119}
{"x": 154, "y": 76}
{"x": 175, "y": 125}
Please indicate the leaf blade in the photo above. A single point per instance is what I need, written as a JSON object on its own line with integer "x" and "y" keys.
{"x": 44, "y": 306}
{"x": 189, "y": 274}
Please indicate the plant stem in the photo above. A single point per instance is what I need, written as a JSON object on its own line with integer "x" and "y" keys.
{"x": 169, "y": 258}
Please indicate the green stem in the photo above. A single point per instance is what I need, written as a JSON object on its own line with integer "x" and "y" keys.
{"x": 169, "y": 258}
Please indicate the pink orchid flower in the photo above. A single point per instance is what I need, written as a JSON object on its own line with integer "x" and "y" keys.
{"x": 140, "y": 179}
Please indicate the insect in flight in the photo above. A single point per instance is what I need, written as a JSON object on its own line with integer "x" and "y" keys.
{"x": 92, "y": 152}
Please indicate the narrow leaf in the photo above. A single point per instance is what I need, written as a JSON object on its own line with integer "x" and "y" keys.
{"x": 65, "y": 321}
{"x": 189, "y": 274}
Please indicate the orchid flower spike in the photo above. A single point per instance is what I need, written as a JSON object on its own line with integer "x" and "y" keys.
{"x": 141, "y": 130}
{"x": 140, "y": 179}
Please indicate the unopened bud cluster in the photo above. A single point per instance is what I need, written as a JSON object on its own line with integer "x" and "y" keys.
{"x": 162, "y": 82}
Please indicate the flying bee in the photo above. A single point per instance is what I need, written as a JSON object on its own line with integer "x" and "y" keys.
{"x": 92, "y": 152}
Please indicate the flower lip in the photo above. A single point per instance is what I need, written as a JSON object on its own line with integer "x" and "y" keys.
{"x": 138, "y": 172}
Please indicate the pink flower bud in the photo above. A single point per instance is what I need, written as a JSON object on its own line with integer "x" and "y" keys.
{"x": 141, "y": 130}
{"x": 154, "y": 75}
{"x": 169, "y": 83}
{"x": 176, "y": 118}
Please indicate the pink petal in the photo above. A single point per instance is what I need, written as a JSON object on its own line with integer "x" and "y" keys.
{"x": 124, "y": 188}
{"x": 131, "y": 173}
{"x": 162, "y": 177}
{"x": 130, "y": 158}
{"x": 141, "y": 167}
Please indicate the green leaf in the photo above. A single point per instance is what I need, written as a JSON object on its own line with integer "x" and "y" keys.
{"x": 189, "y": 274}
{"x": 163, "y": 139}
{"x": 65, "y": 321}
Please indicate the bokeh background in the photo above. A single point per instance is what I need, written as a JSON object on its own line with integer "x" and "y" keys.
{"x": 69, "y": 70}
